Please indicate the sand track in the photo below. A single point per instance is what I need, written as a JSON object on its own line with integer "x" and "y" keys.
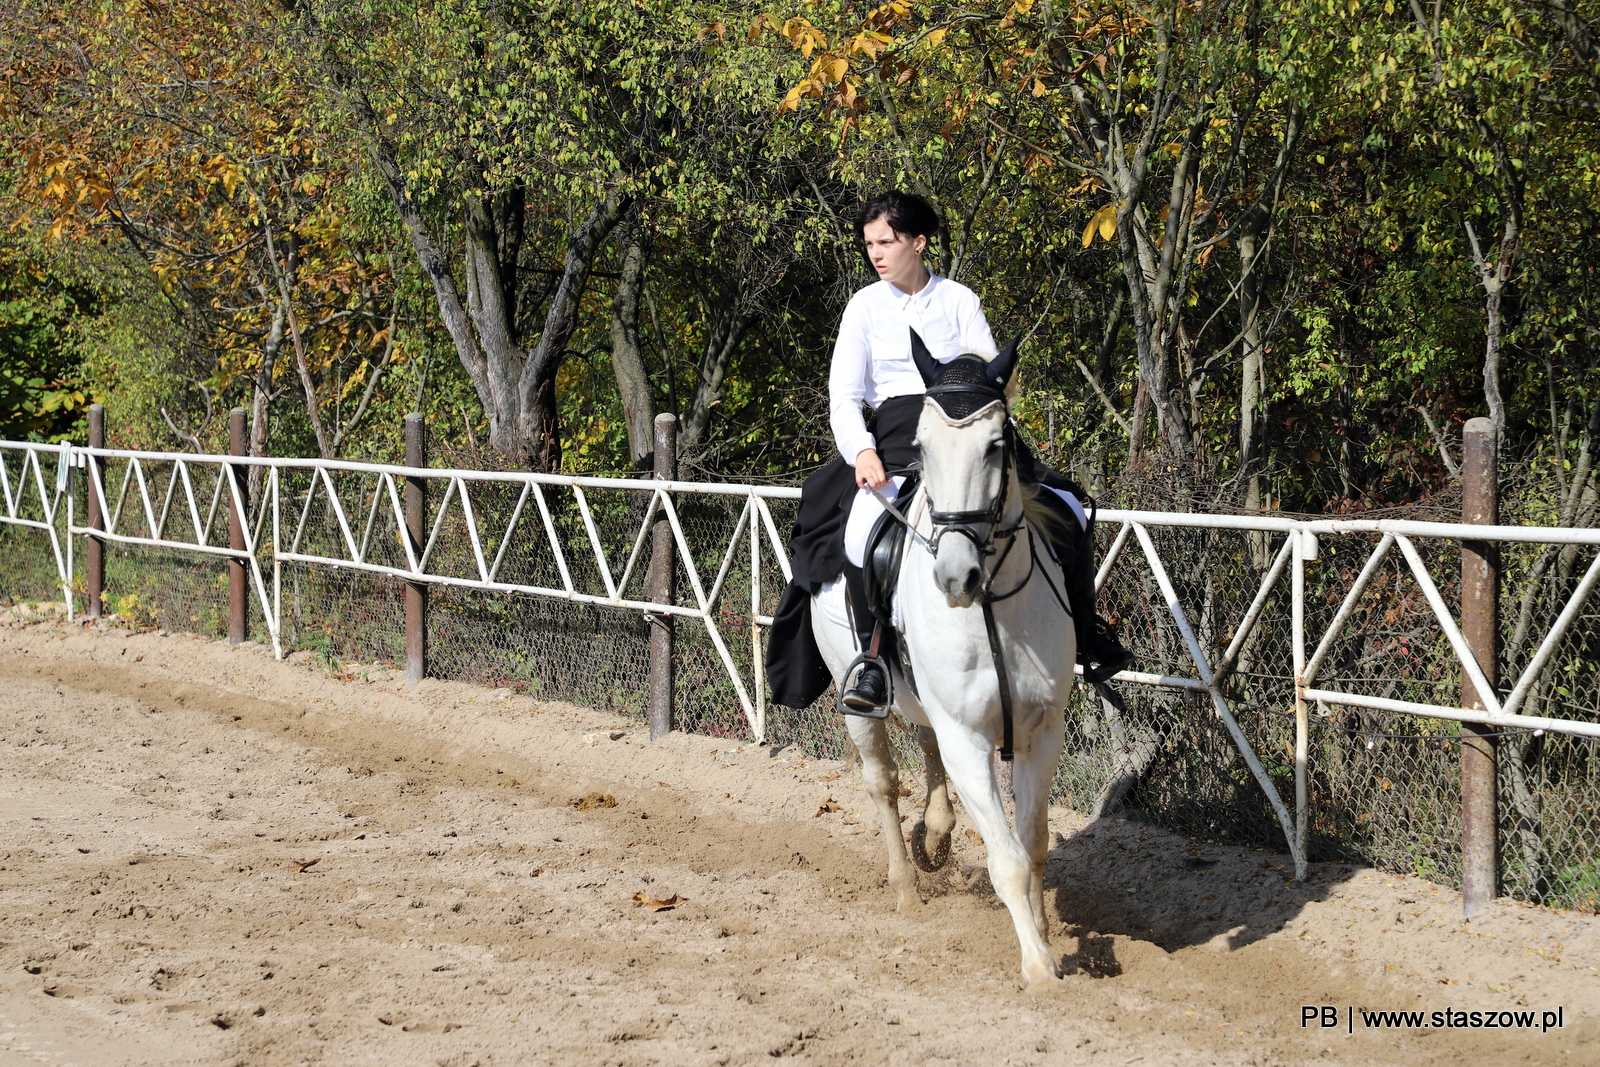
{"x": 155, "y": 789}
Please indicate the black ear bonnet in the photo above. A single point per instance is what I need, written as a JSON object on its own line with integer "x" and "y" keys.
{"x": 968, "y": 382}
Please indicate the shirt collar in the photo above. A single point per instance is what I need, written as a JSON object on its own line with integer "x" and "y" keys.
{"x": 920, "y": 296}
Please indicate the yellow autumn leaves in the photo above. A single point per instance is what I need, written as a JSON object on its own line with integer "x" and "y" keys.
{"x": 1103, "y": 222}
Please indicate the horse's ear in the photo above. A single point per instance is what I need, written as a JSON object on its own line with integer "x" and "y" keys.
{"x": 1001, "y": 367}
{"x": 927, "y": 366}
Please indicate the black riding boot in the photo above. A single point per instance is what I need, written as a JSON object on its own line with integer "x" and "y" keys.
{"x": 1101, "y": 654}
{"x": 869, "y": 695}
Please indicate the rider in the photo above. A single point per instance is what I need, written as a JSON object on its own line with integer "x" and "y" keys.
{"x": 872, "y": 363}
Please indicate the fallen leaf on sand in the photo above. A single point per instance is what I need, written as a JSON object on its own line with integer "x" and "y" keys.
{"x": 828, "y": 805}
{"x": 642, "y": 901}
{"x": 664, "y": 785}
{"x": 299, "y": 865}
{"x": 592, "y": 801}
{"x": 974, "y": 836}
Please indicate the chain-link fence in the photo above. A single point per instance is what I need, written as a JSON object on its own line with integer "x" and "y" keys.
{"x": 1385, "y": 786}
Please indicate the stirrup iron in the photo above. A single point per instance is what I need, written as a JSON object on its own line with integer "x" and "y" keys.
{"x": 854, "y": 702}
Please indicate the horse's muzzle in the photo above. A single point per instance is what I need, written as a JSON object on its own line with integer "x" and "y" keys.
{"x": 958, "y": 570}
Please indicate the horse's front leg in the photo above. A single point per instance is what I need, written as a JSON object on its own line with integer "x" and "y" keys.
{"x": 1031, "y": 777}
{"x": 882, "y": 778}
{"x": 969, "y": 758}
{"x": 930, "y": 842}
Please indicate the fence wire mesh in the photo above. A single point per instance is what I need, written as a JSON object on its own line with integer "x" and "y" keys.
{"x": 1385, "y": 786}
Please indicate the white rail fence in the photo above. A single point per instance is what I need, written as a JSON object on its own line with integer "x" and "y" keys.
{"x": 351, "y": 516}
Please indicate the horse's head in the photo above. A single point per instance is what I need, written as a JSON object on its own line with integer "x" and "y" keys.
{"x": 967, "y": 463}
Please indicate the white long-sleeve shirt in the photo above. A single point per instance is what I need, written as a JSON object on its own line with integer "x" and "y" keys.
{"x": 872, "y": 358}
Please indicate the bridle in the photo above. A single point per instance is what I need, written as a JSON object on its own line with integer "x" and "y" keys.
{"x": 965, "y": 523}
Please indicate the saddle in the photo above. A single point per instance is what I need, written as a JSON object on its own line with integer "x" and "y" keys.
{"x": 880, "y": 577}
{"x": 886, "y": 548}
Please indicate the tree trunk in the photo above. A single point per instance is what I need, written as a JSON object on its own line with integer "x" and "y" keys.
{"x": 729, "y": 320}
{"x": 1136, "y": 423}
{"x": 538, "y": 419}
{"x": 261, "y": 400}
{"x": 1154, "y": 338}
{"x": 1495, "y": 286}
{"x": 1496, "y": 275}
{"x": 627, "y": 359}
{"x": 489, "y": 278}
{"x": 1108, "y": 338}
{"x": 1249, "y": 312}
{"x": 1252, "y": 372}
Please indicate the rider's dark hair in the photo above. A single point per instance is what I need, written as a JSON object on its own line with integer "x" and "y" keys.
{"x": 907, "y": 214}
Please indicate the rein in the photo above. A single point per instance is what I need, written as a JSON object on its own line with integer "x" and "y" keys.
{"x": 962, "y": 522}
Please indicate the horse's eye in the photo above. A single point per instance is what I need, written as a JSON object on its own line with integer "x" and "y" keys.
{"x": 996, "y": 443}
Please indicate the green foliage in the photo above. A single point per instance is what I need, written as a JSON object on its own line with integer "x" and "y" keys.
{"x": 44, "y": 392}
{"x": 743, "y": 139}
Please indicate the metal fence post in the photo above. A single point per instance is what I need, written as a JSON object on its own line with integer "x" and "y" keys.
{"x": 1304, "y": 549}
{"x": 416, "y": 592}
{"x": 1480, "y": 587}
{"x": 663, "y": 584}
{"x": 95, "y": 552}
{"x": 238, "y": 572}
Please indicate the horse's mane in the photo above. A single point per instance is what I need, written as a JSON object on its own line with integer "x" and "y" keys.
{"x": 1041, "y": 516}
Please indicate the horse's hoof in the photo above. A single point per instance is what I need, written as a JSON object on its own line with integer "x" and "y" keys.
{"x": 910, "y": 902}
{"x": 919, "y": 849}
{"x": 1046, "y": 986}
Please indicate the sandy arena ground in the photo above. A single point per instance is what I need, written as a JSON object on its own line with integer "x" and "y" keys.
{"x": 155, "y": 791}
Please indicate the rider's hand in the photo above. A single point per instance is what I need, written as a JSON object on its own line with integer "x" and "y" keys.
{"x": 869, "y": 469}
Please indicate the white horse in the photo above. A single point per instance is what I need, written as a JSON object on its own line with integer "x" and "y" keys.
{"x": 970, "y": 506}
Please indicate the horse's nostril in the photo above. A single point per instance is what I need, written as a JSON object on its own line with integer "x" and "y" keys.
{"x": 971, "y": 582}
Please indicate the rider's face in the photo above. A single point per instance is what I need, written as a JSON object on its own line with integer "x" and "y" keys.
{"x": 896, "y": 257}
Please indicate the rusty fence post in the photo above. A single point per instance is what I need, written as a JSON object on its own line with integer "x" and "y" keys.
{"x": 238, "y": 569}
{"x": 663, "y": 584}
{"x": 1480, "y": 587}
{"x": 95, "y": 553}
{"x": 416, "y": 511}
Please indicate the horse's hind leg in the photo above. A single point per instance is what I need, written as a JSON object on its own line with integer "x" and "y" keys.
{"x": 882, "y": 778}
{"x": 930, "y": 841}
